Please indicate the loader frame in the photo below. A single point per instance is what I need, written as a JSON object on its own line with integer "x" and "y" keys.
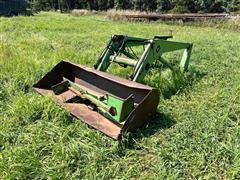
{"x": 119, "y": 50}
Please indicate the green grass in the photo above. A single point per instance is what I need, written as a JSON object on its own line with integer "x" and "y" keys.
{"x": 195, "y": 134}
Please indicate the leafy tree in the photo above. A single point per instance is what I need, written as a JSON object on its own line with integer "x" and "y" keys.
{"x": 123, "y": 4}
{"x": 139, "y": 4}
{"x": 164, "y": 5}
{"x": 145, "y": 5}
{"x": 212, "y": 5}
{"x": 151, "y": 5}
{"x": 188, "y": 6}
{"x": 142, "y": 5}
{"x": 80, "y": 4}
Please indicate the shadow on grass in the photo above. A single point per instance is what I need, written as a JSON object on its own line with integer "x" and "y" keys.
{"x": 192, "y": 78}
{"x": 162, "y": 121}
{"x": 159, "y": 122}
{"x": 172, "y": 83}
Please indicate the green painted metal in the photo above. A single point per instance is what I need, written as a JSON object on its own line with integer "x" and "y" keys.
{"x": 124, "y": 61}
{"x": 119, "y": 50}
{"x": 123, "y": 107}
{"x": 154, "y": 49}
{"x": 110, "y": 106}
{"x": 84, "y": 90}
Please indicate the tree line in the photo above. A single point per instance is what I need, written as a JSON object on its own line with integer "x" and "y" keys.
{"x": 179, "y": 6}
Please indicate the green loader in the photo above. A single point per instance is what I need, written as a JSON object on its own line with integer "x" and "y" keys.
{"x": 107, "y": 102}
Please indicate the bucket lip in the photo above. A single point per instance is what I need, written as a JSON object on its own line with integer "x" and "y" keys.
{"x": 111, "y": 77}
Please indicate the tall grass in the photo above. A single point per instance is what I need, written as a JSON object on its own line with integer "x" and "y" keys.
{"x": 194, "y": 135}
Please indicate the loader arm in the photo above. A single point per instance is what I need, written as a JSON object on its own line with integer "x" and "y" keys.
{"x": 153, "y": 50}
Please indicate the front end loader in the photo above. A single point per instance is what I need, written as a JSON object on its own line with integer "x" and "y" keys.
{"x": 106, "y": 102}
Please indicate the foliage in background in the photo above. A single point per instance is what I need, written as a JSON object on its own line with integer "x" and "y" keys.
{"x": 181, "y": 6}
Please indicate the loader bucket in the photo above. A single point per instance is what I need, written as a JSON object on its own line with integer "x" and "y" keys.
{"x": 110, "y": 104}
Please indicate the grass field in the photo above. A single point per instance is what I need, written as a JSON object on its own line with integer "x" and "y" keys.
{"x": 195, "y": 135}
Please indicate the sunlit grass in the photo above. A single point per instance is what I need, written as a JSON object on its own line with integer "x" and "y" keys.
{"x": 195, "y": 133}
